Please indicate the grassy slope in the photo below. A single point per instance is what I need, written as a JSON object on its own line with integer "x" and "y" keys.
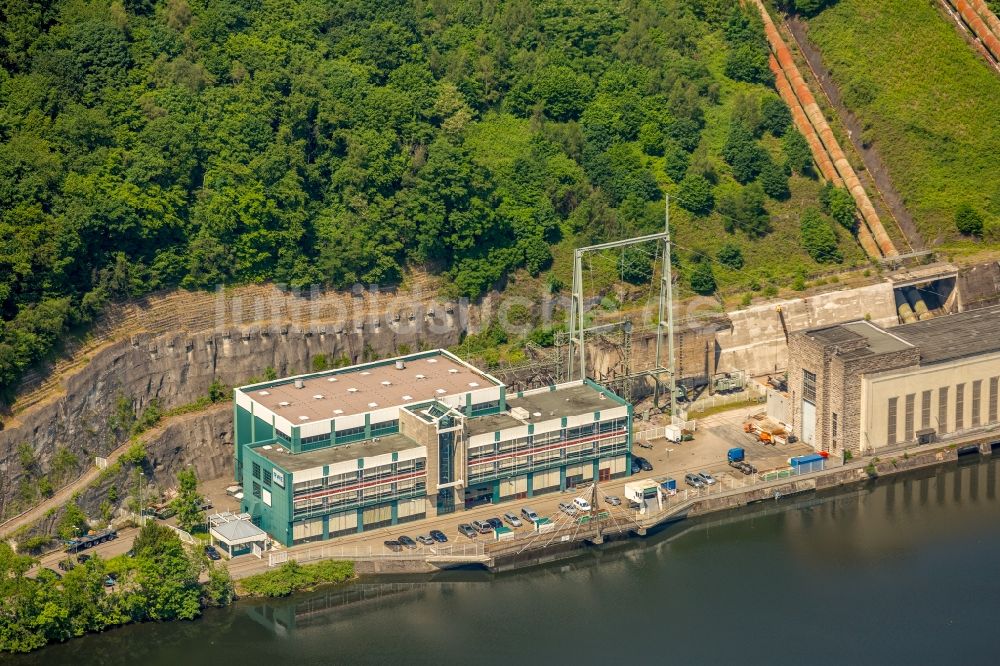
{"x": 936, "y": 116}
{"x": 777, "y": 258}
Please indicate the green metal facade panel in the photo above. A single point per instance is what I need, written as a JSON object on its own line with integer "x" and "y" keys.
{"x": 276, "y": 518}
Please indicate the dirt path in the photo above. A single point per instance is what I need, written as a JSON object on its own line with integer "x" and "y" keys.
{"x": 64, "y": 494}
{"x": 869, "y": 155}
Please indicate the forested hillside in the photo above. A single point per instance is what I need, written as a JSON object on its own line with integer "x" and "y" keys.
{"x": 152, "y": 144}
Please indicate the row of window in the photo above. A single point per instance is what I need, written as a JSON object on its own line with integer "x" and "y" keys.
{"x": 606, "y": 447}
{"x": 344, "y": 500}
{"x": 506, "y": 446}
{"x": 350, "y": 478}
{"x": 941, "y": 424}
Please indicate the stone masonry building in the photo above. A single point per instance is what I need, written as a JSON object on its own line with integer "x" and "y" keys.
{"x": 860, "y": 387}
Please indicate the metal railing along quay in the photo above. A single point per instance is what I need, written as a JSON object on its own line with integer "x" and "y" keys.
{"x": 473, "y": 551}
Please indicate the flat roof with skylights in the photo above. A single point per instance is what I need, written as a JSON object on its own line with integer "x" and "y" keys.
{"x": 368, "y": 387}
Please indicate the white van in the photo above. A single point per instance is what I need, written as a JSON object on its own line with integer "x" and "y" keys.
{"x": 581, "y": 504}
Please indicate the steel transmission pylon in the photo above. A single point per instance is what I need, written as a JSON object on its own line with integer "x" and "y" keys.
{"x": 577, "y": 351}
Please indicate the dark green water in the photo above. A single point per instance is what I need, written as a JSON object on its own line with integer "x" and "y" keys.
{"x": 901, "y": 571}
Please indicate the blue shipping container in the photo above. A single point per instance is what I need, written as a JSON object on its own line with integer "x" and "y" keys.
{"x": 670, "y": 484}
{"x": 805, "y": 460}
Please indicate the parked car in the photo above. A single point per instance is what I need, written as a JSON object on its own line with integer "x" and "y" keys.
{"x": 110, "y": 580}
{"x": 212, "y": 553}
{"x": 439, "y": 536}
{"x": 644, "y": 465}
{"x": 567, "y": 508}
{"x": 394, "y": 546}
{"x": 612, "y": 500}
{"x": 467, "y": 530}
{"x": 636, "y": 467}
{"x": 529, "y": 515}
{"x": 581, "y": 504}
{"x": 496, "y": 523}
{"x": 707, "y": 478}
{"x": 512, "y": 520}
{"x": 694, "y": 480}
{"x": 204, "y": 504}
{"x": 425, "y": 539}
{"x": 407, "y": 542}
{"x": 482, "y": 526}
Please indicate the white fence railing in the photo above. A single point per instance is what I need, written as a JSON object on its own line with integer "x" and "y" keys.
{"x": 471, "y": 550}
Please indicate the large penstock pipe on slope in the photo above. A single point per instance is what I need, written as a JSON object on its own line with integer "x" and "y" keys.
{"x": 819, "y": 153}
{"x": 815, "y": 115}
{"x": 903, "y": 309}
{"x": 972, "y": 18}
{"x": 992, "y": 22}
{"x": 917, "y": 303}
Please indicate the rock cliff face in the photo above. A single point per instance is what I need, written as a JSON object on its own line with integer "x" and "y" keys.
{"x": 175, "y": 369}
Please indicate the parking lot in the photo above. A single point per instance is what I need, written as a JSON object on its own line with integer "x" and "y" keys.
{"x": 714, "y": 437}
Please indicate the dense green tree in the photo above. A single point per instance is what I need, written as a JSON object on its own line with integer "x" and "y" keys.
{"x": 743, "y": 153}
{"x": 675, "y": 161}
{"x": 150, "y": 144}
{"x": 798, "y": 157}
{"x": 968, "y": 221}
{"x": 743, "y": 209}
{"x": 702, "y": 277}
{"x": 775, "y": 116}
{"x": 695, "y": 194}
{"x": 838, "y": 203}
{"x": 774, "y": 180}
{"x": 731, "y": 256}
{"x": 187, "y": 504}
{"x": 562, "y": 91}
{"x": 818, "y": 237}
{"x": 747, "y": 57}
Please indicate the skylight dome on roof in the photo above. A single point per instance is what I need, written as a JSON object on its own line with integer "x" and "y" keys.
{"x": 318, "y": 396}
{"x": 263, "y": 393}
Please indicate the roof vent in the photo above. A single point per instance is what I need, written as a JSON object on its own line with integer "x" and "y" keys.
{"x": 453, "y": 371}
{"x": 267, "y": 447}
{"x": 303, "y": 418}
{"x": 537, "y": 414}
{"x": 284, "y": 403}
{"x": 318, "y": 396}
{"x": 352, "y": 390}
{"x": 331, "y": 379}
{"x": 280, "y": 450}
{"x": 365, "y": 373}
{"x": 299, "y": 384}
{"x": 520, "y": 413}
{"x": 432, "y": 360}
{"x": 400, "y": 364}
{"x": 440, "y": 391}
{"x": 373, "y": 404}
{"x": 407, "y": 398}
{"x": 338, "y": 411}
{"x": 386, "y": 383}
{"x": 263, "y": 393}
{"x": 473, "y": 384}
{"x": 421, "y": 377}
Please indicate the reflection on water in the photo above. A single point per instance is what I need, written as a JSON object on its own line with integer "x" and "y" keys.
{"x": 893, "y": 571}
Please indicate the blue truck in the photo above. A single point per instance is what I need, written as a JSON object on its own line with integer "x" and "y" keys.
{"x": 735, "y": 455}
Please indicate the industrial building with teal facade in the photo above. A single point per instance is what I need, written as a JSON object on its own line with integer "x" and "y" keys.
{"x": 348, "y": 450}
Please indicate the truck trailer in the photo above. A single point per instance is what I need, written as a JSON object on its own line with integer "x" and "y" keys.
{"x": 89, "y": 540}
